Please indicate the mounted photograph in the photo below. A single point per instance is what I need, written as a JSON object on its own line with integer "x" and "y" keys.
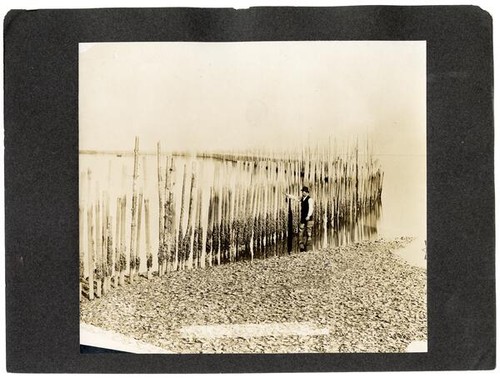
{"x": 253, "y": 197}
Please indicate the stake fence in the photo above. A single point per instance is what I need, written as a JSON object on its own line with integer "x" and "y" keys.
{"x": 218, "y": 208}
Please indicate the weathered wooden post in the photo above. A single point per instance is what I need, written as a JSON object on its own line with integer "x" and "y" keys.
{"x": 145, "y": 196}
{"x": 252, "y": 221}
{"x": 123, "y": 247}
{"x": 204, "y": 229}
{"x": 161, "y": 238}
{"x": 264, "y": 217}
{"x": 116, "y": 253}
{"x": 210, "y": 228}
{"x": 98, "y": 237}
{"x": 219, "y": 217}
{"x": 196, "y": 232}
{"x": 169, "y": 232}
{"x": 81, "y": 220}
{"x": 108, "y": 245}
{"x": 103, "y": 243}
{"x": 226, "y": 241}
{"x": 191, "y": 216}
{"x": 231, "y": 230}
{"x": 181, "y": 244}
{"x": 149, "y": 254}
{"x": 90, "y": 231}
{"x": 104, "y": 237}
{"x": 172, "y": 214}
{"x": 246, "y": 216}
{"x": 138, "y": 238}
{"x": 324, "y": 195}
{"x": 90, "y": 245}
{"x": 134, "y": 213}
{"x": 275, "y": 219}
{"x": 356, "y": 195}
{"x": 289, "y": 240}
{"x": 259, "y": 222}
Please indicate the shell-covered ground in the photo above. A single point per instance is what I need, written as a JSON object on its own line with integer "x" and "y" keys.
{"x": 359, "y": 298}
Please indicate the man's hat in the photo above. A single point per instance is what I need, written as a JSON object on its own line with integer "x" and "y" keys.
{"x": 305, "y": 189}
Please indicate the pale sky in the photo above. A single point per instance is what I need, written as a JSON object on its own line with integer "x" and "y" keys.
{"x": 201, "y": 96}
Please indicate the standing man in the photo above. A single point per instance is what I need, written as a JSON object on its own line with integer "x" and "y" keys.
{"x": 306, "y": 222}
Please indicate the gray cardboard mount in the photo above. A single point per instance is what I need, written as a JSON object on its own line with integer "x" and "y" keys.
{"x": 41, "y": 177}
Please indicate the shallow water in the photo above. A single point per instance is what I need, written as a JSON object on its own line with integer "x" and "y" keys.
{"x": 404, "y": 196}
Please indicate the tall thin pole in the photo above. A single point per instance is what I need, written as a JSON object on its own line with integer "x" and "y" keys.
{"x": 90, "y": 236}
{"x": 149, "y": 255}
{"x": 123, "y": 247}
{"x": 116, "y": 254}
{"x": 191, "y": 216}
{"x": 181, "y": 244}
{"x": 98, "y": 238}
{"x": 138, "y": 238}
{"x": 169, "y": 236}
{"x": 134, "y": 212}
{"x": 161, "y": 238}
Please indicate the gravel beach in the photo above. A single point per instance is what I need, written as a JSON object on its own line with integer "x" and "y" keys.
{"x": 356, "y": 298}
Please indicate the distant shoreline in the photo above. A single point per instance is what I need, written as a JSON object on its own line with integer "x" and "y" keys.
{"x": 121, "y": 153}
{"x": 178, "y": 153}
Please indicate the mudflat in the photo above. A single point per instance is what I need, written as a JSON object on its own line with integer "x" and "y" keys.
{"x": 355, "y": 298}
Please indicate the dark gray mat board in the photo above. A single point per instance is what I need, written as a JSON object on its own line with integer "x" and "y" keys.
{"x": 41, "y": 177}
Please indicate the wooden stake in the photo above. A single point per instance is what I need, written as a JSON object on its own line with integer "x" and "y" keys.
{"x": 116, "y": 254}
{"x": 90, "y": 230}
{"x": 161, "y": 237}
{"x": 134, "y": 211}
{"x": 81, "y": 223}
{"x": 191, "y": 224}
{"x": 98, "y": 260}
{"x": 204, "y": 229}
{"x": 232, "y": 205}
{"x": 108, "y": 250}
{"x": 219, "y": 217}
{"x": 149, "y": 255}
{"x": 123, "y": 247}
{"x": 182, "y": 254}
{"x": 210, "y": 226}
{"x": 138, "y": 238}
{"x": 169, "y": 213}
{"x": 252, "y": 225}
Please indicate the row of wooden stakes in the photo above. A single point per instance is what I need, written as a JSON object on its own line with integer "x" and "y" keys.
{"x": 241, "y": 214}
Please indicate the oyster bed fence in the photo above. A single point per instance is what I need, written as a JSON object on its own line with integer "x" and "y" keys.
{"x": 232, "y": 209}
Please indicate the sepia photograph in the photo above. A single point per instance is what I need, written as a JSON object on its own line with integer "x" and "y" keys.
{"x": 253, "y": 197}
